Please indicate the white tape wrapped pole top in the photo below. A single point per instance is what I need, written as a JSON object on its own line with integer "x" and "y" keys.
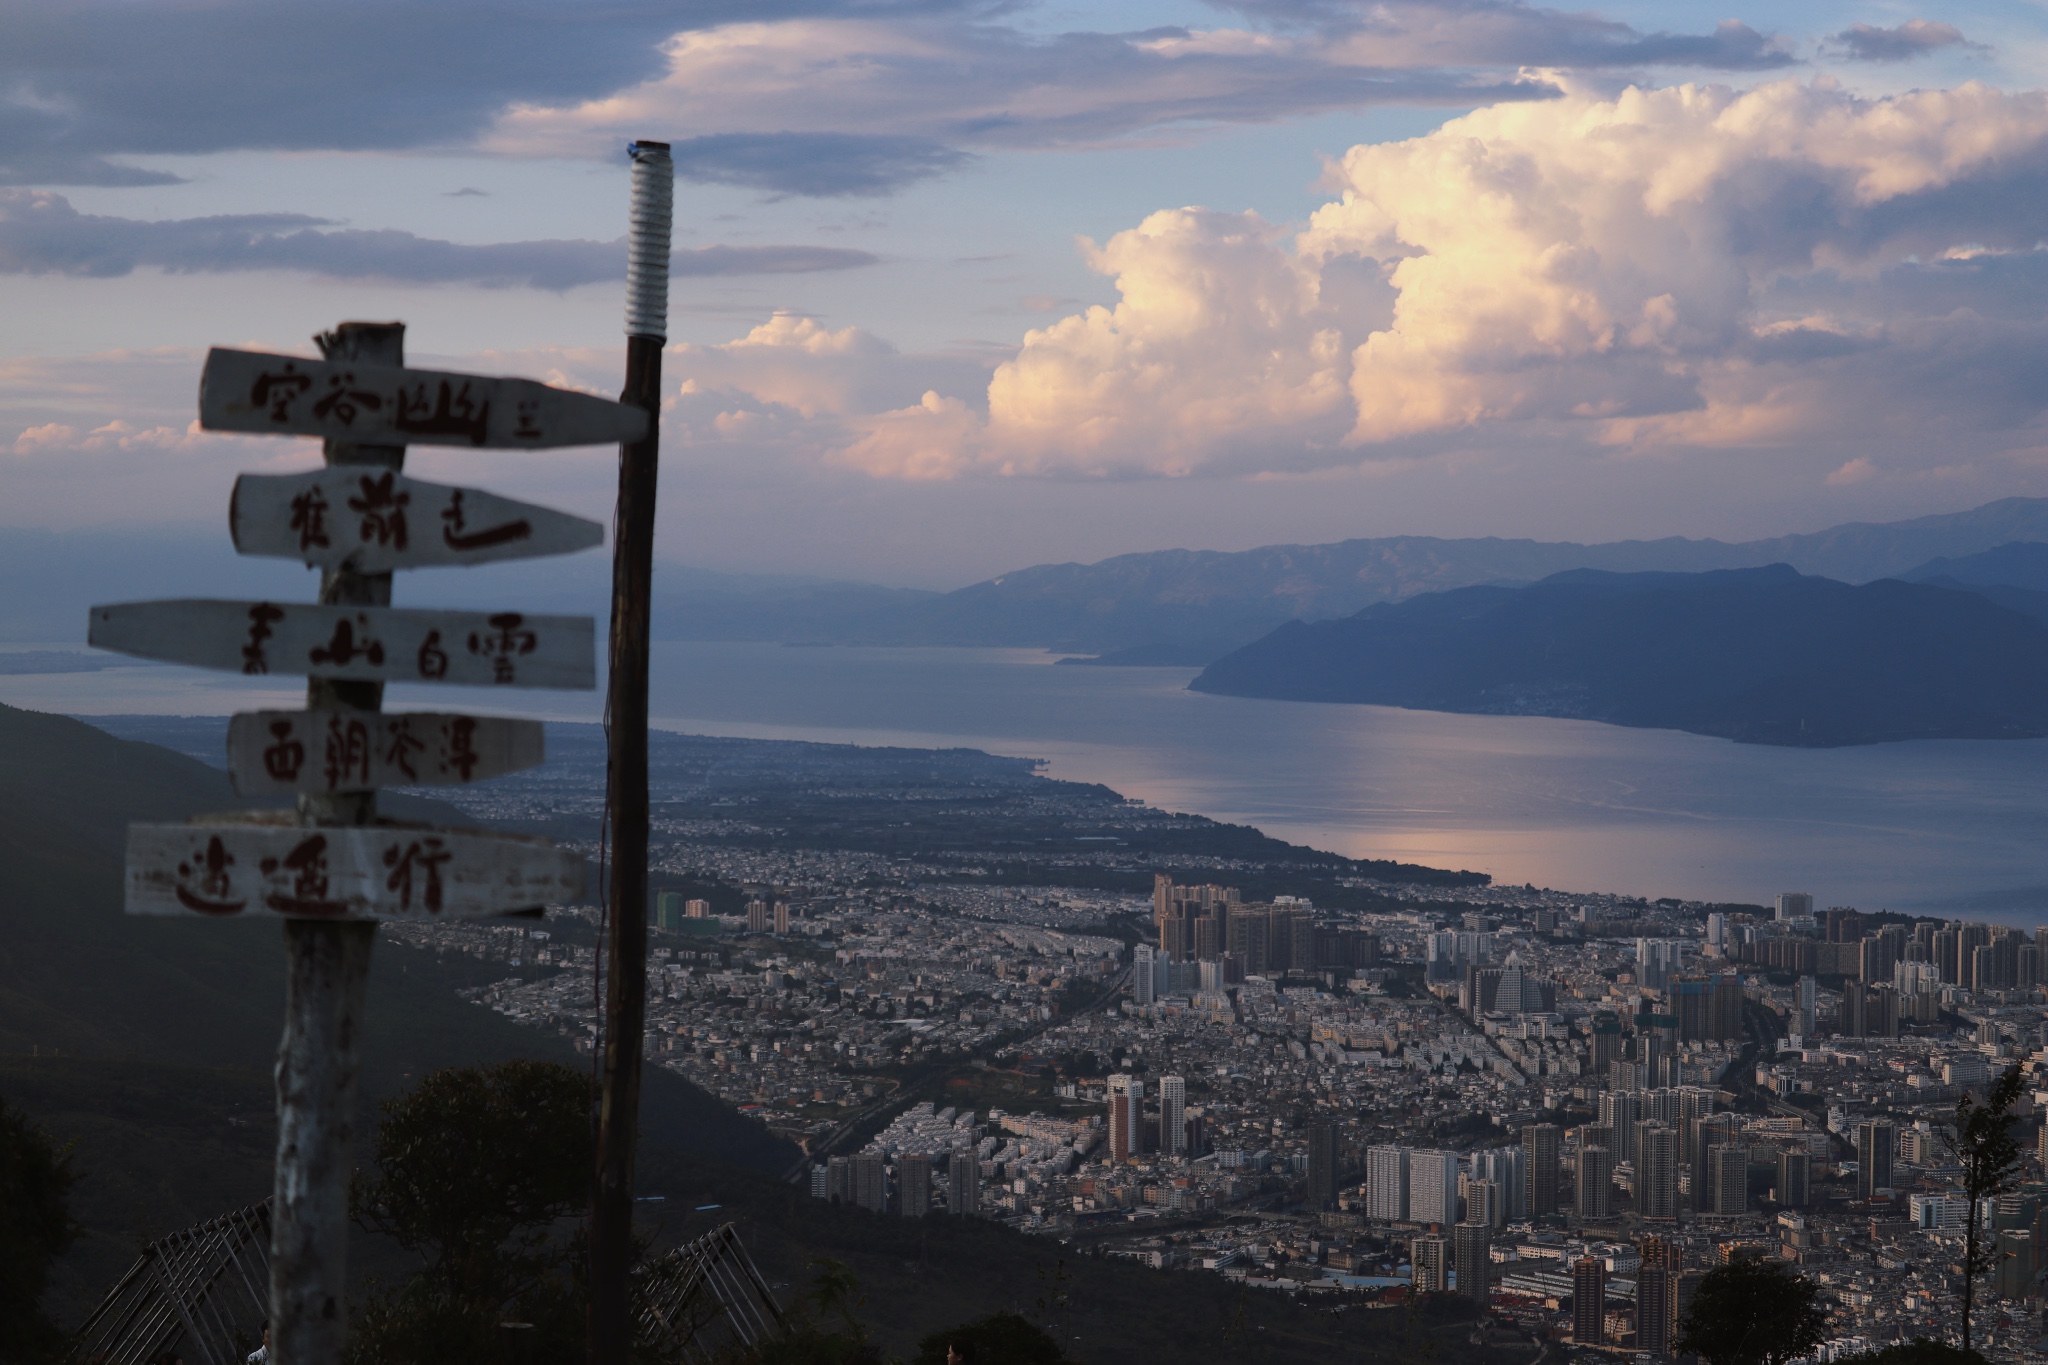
{"x": 652, "y": 218}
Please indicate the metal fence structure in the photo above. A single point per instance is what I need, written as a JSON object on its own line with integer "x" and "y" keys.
{"x": 706, "y": 1300}
{"x": 206, "y": 1289}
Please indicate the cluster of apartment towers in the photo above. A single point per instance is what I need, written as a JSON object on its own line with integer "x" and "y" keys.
{"x": 673, "y": 913}
{"x": 1209, "y": 937}
{"x": 1892, "y": 975}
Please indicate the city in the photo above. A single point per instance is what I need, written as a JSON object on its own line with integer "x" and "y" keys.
{"x": 1562, "y": 1108}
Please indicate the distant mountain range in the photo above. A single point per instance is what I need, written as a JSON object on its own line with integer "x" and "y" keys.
{"x": 1192, "y": 606}
{"x": 1167, "y": 606}
{"x": 1765, "y": 656}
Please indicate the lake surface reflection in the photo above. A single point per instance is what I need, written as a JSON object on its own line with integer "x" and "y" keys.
{"x": 1953, "y": 826}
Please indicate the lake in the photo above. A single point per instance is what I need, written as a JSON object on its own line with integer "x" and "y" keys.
{"x": 1954, "y": 826}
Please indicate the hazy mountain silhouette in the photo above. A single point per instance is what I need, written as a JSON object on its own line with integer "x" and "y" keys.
{"x": 1765, "y": 656}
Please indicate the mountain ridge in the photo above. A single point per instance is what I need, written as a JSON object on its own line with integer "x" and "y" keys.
{"x": 1764, "y": 655}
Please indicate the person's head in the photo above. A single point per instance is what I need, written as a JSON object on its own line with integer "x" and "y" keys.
{"x": 266, "y": 1331}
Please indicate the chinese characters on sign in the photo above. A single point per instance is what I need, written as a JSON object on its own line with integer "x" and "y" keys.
{"x": 273, "y": 753}
{"x": 344, "y": 518}
{"x": 342, "y": 872}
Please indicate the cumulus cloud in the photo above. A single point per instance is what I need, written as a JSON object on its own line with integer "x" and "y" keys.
{"x": 1914, "y": 38}
{"x": 1691, "y": 266}
{"x": 41, "y": 233}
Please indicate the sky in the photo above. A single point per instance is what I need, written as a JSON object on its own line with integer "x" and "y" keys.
{"x": 963, "y": 286}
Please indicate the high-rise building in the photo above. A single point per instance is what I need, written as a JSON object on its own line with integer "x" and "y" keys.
{"x": 868, "y": 1174}
{"x": 782, "y": 917}
{"x": 1682, "y": 1290}
{"x": 1429, "y": 1258}
{"x": 1709, "y": 1130}
{"x": 1173, "y": 1122}
{"x": 1795, "y": 1184}
{"x": 757, "y": 917}
{"x": 1619, "y": 1110}
{"x": 1596, "y": 1183}
{"x": 1795, "y": 905}
{"x": 821, "y": 1181}
{"x": 1540, "y": 1148}
{"x": 1126, "y": 1107}
{"x": 1386, "y": 1183}
{"x": 2015, "y": 1275}
{"x": 839, "y": 1180}
{"x": 1322, "y": 1164}
{"x": 1144, "y": 986}
{"x": 696, "y": 909}
{"x": 1589, "y": 1301}
{"x": 1876, "y": 1143}
{"x": 913, "y": 1184}
{"x": 1655, "y": 1283}
{"x": 1727, "y": 1191}
{"x": 1606, "y": 1045}
{"x": 1807, "y": 1017}
{"x": 1506, "y": 1169}
{"x": 1472, "y": 1258}
{"x": 1433, "y": 1187}
{"x": 668, "y": 911}
{"x": 963, "y": 1183}
{"x": 1657, "y": 1171}
{"x": 1482, "y": 1202}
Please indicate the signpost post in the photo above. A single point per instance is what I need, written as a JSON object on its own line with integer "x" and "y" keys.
{"x": 332, "y": 869}
{"x": 625, "y": 1006}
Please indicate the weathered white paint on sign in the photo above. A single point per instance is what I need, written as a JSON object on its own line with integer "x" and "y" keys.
{"x": 223, "y": 869}
{"x": 275, "y": 753}
{"x": 391, "y": 644}
{"x": 376, "y": 520}
{"x": 386, "y": 405}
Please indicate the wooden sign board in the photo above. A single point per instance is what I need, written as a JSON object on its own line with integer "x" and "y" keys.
{"x": 386, "y": 644}
{"x": 278, "y": 753}
{"x": 376, "y": 520}
{"x": 221, "y": 870}
{"x": 251, "y": 391}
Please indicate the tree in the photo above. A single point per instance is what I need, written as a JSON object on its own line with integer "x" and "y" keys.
{"x": 474, "y": 1167}
{"x": 811, "y": 1337}
{"x": 1752, "y": 1312}
{"x": 1982, "y": 1142}
{"x": 1000, "y": 1339}
{"x": 35, "y": 1228}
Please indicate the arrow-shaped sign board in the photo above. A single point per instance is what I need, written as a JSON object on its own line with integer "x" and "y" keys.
{"x": 376, "y": 520}
{"x": 384, "y": 644}
{"x": 223, "y": 870}
{"x": 277, "y": 753}
{"x": 251, "y": 391}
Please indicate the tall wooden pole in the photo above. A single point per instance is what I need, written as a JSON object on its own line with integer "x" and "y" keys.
{"x": 625, "y": 1004}
{"x": 327, "y": 968}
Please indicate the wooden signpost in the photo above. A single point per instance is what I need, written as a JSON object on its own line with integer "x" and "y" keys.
{"x": 374, "y": 522}
{"x": 345, "y": 400}
{"x": 373, "y": 644}
{"x": 282, "y": 753}
{"x": 332, "y": 869}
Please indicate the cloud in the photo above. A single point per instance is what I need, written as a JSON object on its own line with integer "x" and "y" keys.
{"x": 87, "y": 79}
{"x": 1468, "y": 32}
{"x": 824, "y": 164}
{"x": 98, "y": 79}
{"x": 1684, "y": 267}
{"x": 41, "y": 233}
{"x": 985, "y": 86}
{"x": 1914, "y": 38}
